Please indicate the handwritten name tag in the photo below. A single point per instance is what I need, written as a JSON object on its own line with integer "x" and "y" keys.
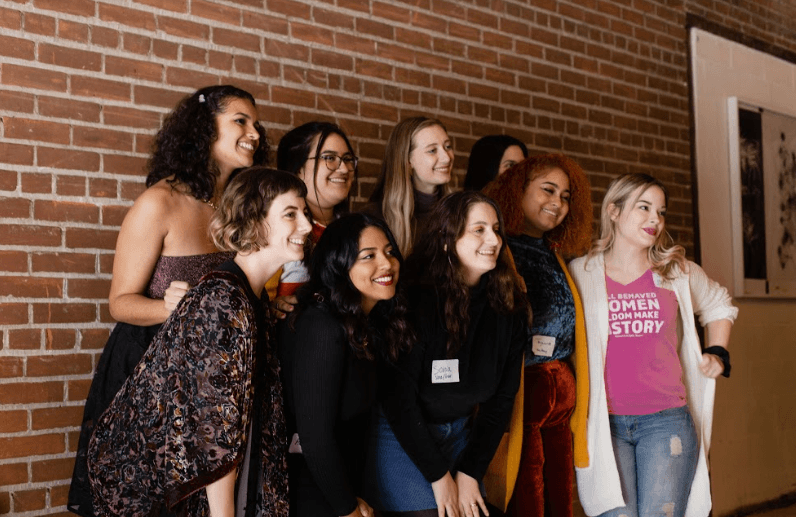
{"x": 444, "y": 370}
{"x": 543, "y": 345}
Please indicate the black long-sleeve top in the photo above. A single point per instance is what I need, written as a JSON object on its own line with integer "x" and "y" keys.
{"x": 490, "y": 361}
{"x": 329, "y": 394}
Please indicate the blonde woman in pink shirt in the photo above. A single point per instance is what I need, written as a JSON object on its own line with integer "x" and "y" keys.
{"x": 652, "y": 385}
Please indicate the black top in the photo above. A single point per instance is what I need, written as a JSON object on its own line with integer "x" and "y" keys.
{"x": 329, "y": 393}
{"x": 489, "y": 363}
{"x": 549, "y": 295}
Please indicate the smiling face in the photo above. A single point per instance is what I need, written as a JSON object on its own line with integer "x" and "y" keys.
{"x": 326, "y": 188}
{"x": 375, "y": 271}
{"x": 511, "y": 157}
{"x": 431, "y": 159}
{"x": 639, "y": 225}
{"x": 287, "y": 227}
{"x": 545, "y": 203}
{"x": 479, "y": 245}
{"x": 237, "y": 136}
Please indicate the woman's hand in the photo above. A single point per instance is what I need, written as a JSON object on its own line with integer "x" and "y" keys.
{"x": 446, "y": 494}
{"x": 711, "y": 365}
{"x": 282, "y": 305}
{"x": 174, "y": 294}
{"x": 363, "y": 509}
{"x": 470, "y": 499}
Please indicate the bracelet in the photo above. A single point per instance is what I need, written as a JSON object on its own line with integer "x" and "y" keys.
{"x": 723, "y": 354}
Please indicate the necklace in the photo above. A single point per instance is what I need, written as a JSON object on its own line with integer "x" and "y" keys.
{"x": 212, "y": 205}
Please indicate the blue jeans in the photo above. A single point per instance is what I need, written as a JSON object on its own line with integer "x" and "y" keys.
{"x": 656, "y": 455}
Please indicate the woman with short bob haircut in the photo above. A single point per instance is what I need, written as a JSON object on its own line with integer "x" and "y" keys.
{"x": 415, "y": 173}
{"x": 431, "y": 447}
{"x": 652, "y": 386}
{"x": 198, "y": 427}
{"x": 348, "y": 322}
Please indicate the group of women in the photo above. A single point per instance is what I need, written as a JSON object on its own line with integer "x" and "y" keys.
{"x": 382, "y": 376}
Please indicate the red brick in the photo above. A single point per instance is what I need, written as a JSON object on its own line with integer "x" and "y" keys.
{"x": 59, "y": 495}
{"x": 68, "y": 159}
{"x": 59, "y": 339}
{"x": 218, "y": 13}
{"x": 76, "y": 7}
{"x": 236, "y": 39}
{"x": 390, "y": 11}
{"x": 14, "y": 207}
{"x": 338, "y": 104}
{"x": 93, "y": 339}
{"x": 243, "y": 64}
{"x": 66, "y": 211}
{"x": 30, "y": 235}
{"x": 105, "y": 37}
{"x": 70, "y": 57}
{"x": 289, "y": 7}
{"x": 63, "y": 313}
{"x": 101, "y": 187}
{"x": 10, "y": 367}
{"x": 136, "y": 43}
{"x": 52, "y": 470}
{"x": 413, "y": 38}
{"x": 432, "y": 61}
{"x": 103, "y": 88}
{"x": 8, "y": 180}
{"x": 73, "y": 31}
{"x": 16, "y": 101}
{"x": 127, "y": 17}
{"x": 63, "y": 262}
{"x": 35, "y": 78}
{"x": 113, "y": 215}
{"x": 24, "y": 339}
{"x": 37, "y": 130}
{"x": 371, "y": 68}
{"x": 78, "y": 389}
{"x": 165, "y": 49}
{"x": 194, "y": 55}
{"x": 29, "y": 500}
{"x": 103, "y": 138}
{"x": 87, "y": 238}
{"x": 68, "y": 108}
{"x": 38, "y": 24}
{"x": 31, "y": 287}
{"x": 88, "y": 287}
{"x": 355, "y": 44}
{"x": 133, "y": 68}
{"x": 332, "y": 60}
{"x": 53, "y": 418}
{"x": 29, "y": 393}
{"x": 10, "y": 19}
{"x": 131, "y": 191}
{"x": 265, "y": 23}
{"x": 70, "y": 185}
{"x": 190, "y": 78}
{"x": 161, "y": 97}
{"x": 17, "y": 47}
{"x": 13, "y": 261}
{"x": 12, "y": 474}
{"x": 180, "y": 6}
{"x": 16, "y": 154}
{"x": 183, "y": 28}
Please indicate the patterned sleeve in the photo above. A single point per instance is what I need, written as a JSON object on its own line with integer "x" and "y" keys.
{"x": 181, "y": 420}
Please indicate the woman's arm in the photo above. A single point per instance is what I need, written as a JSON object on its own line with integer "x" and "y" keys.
{"x": 221, "y": 496}
{"x": 718, "y": 335}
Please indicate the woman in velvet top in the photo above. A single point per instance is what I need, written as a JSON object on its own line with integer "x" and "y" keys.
{"x": 348, "y": 320}
{"x": 415, "y": 173}
{"x": 546, "y": 202}
{"x": 163, "y": 247}
{"x": 198, "y": 428}
{"x": 432, "y": 447}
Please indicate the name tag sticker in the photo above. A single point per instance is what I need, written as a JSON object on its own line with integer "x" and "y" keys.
{"x": 444, "y": 371}
{"x": 543, "y": 345}
{"x": 295, "y": 445}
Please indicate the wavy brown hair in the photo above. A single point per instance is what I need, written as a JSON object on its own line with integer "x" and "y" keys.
{"x": 573, "y": 236}
{"x": 436, "y": 263}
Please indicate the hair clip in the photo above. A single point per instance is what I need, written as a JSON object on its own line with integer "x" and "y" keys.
{"x": 201, "y": 98}
{"x": 318, "y": 297}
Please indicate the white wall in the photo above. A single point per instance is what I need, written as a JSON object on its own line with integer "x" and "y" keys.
{"x": 753, "y": 457}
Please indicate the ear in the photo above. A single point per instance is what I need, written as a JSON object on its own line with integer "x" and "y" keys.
{"x": 613, "y": 212}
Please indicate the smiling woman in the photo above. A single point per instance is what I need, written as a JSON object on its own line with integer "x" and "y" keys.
{"x": 428, "y": 453}
{"x": 348, "y": 321}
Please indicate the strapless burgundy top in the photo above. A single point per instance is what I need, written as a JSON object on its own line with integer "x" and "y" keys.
{"x": 189, "y": 269}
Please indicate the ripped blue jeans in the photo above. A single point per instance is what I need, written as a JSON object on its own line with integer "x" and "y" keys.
{"x": 656, "y": 455}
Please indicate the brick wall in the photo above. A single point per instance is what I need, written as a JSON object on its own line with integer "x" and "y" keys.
{"x": 84, "y": 84}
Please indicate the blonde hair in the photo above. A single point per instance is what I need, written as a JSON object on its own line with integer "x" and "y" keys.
{"x": 237, "y": 224}
{"x": 623, "y": 192}
{"x": 395, "y": 190}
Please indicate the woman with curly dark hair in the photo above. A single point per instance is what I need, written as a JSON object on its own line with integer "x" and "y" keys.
{"x": 432, "y": 447}
{"x": 348, "y": 322}
{"x": 198, "y": 428}
{"x": 163, "y": 246}
{"x": 546, "y": 201}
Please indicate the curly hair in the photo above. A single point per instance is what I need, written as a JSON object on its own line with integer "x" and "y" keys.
{"x": 485, "y": 157}
{"x": 623, "y": 192}
{"x": 435, "y": 262}
{"x": 394, "y": 190}
{"x": 294, "y": 150}
{"x": 237, "y": 224}
{"x": 573, "y": 236}
{"x": 182, "y": 147}
{"x": 330, "y": 286}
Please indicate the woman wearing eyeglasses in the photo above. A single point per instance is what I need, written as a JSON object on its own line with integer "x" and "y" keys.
{"x": 320, "y": 154}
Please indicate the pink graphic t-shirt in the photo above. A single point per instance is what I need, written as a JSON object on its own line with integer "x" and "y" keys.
{"x": 642, "y": 369}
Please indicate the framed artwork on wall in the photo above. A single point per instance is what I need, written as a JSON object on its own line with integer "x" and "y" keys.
{"x": 763, "y": 205}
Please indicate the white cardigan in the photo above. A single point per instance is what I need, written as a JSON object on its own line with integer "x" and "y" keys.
{"x": 598, "y": 484}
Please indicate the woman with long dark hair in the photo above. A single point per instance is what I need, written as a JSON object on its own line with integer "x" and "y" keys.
{"x": 491, "y": 156}
{"x": 198, "y": 428}
{"x": 446, "y": 405}
{"x": 163, "y": 247}
{"x": 347, "y": 322}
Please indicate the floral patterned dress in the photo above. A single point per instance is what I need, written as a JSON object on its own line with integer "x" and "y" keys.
{"x": 206, "y": 390}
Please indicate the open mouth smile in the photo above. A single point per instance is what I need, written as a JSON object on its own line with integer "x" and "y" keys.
{"x": 385, "y": 280}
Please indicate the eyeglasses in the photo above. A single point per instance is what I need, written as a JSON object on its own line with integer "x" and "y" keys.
{"x": 332, "y": 161}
